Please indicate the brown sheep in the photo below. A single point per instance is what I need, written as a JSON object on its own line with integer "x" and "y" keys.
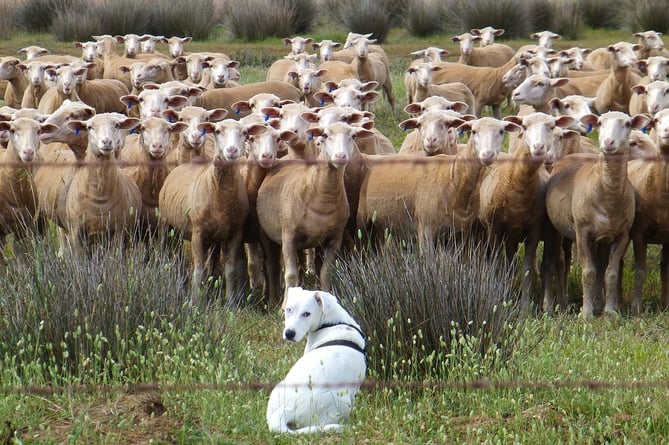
{"x": 193, "y": 143}
{"x": 399, "y": 195}
{"x": 616, "y": 90}
{"x": 590, "y": 200}
{"x": 371, "y": 66}
{"x": 100, "y": 201}
{"x": 207, "y": 204}
{"x": 495, "y": 54}
{"x": 304, "y": 205}
{"x": 16, "y": 81}
{"x": 65, "y": 88}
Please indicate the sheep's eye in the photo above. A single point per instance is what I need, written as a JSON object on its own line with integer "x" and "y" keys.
{"x": 567, "y": 106}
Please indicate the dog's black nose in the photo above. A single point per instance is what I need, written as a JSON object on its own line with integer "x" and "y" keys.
{"x": 289, "y": 334}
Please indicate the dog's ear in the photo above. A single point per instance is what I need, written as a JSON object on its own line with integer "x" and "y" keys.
{"x": 325, "y": 300}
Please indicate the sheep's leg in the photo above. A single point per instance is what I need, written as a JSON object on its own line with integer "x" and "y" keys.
{"x": 613, "y": 272}
{"x": 640, "y": 268}
{"x": 330, "y": 249}
{"x": 664, "y": 275}
{"x": 552, "y": 256}
{"x": 528, "y": 270}
{"x": 272, "y": 268}
{"x": 254, "y": 267}
{"x": 198, "y": 251}
{"x": 291, "y": 272}
{"x": 233, "y": 267}
{"x": 388, "y": 89}
{"x": 587, "y": 254}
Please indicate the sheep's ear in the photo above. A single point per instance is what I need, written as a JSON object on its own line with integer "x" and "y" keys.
{"x": 637, "y": 47}
{"x": 256, "y": 129}
{"x": 477, "y": 38}
{"x": 564, "y": 121}
{"x": 241, "y": 106}
{"x": 639, "y": 89}
{"x": 466, "y": 126}
{"x": 216, "y": 114}
{"x": 178, "y": 127}
{"x": 512, "y": 126}
{"x": 590, "y": 120}
{"x": 170, "y": 115}
{"x": 455, "y": 39}
{"x": 129, "y": 123}
{"x": 5, "y": 125}
{"x": 559, "y": 82}
{"x": 475, "y": 32}
{"x": 369, "y": 86}
{"x": 323, "y": 97}
{"x": 413, "y": 108}
{"x": 177, "y": 101}
{"x": 363, "y": 133}
{"x": 555, "y": 103}
{"x": 370, "y": 97}
{"x": 314, "y": 132}
{"x": 409, "y": 124}
{"x": 124, "y": 69}
{"x": 570, "y": 134}
{"x": 271, "y": 112}
{"x": 515, "y": 119}
{"x": 640, "y": 121}
{"x": 468, "y": 117}
{"x": 45, "y": 129}
{"x": 78, "y": 45}
{"x": 286, "y": 41}
{"x": 498, "y": 32}
{"x": 412, "y": 69}
{"x": 77, "y": 126}
{"x": 129, "y": 100}
{"x": 420, "y": 52}
{"x": 206, "y": 127}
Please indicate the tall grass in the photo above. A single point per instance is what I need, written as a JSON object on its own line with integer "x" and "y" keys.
{"x": 568, "y": 19}
{"x": 422, "y": 18}
{"x": 258, "y": 19}
{"x": 645, "y": 15}
{"x": 421, "y": 310}
{"x": 363, "y": 16}
{"x": 195, "y": 18}
{"x": 7, "y": 21}
{"x": 514, "y": 16}
{"x": 601, "y": 13}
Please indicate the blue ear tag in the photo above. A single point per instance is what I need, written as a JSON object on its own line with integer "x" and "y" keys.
{"x": 77, "y": 131}
{"x": 203, "y": 132}
{"x": 589, "y": 128}
{"x": 404, "y": 128}
{"x": 169, "y": 119}
{"x": 644, "y": 129}
{"x": 461, "y": 132}
{"x": 310, "y": 137}
{"x": 132, "y": 131}
{"x": 322, "y": 102}
{"x": 129, "y": 105}
{"x": 237, "y": 111}
{"x": 266, "y": 117}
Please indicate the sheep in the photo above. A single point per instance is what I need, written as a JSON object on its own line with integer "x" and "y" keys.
{"x": 590, "y": 200}
{"x": 176, "y": 45}
{"x": 575, "y": 58}
{"x": 308, "y": 80}
{"x": 656, "y": 69}
{"x": 145, "y": 155}
{"x": 583, "y": 85}
{"x": 298, "y": 45}
{"x": 511, "y": 205}
{"x": 484, "y": 82}
{"x": 336, "y": 71}
{"x": 496, "y": 54}
{"x": 155, "y": 71}
{"x": 196, "y": 66}
{"x": 433, "y": 133}
{"x": 221, "y": 73}
{"x": 326, "y": 49}
{"x": 208, "y": 205}
{"x": 102, "y": 94}
{"x": 650, "y": 43}
{"x": 650, "y": 183}
{"x": 291, "y": 118}
{"x": 435, "y": 103}
{"x": 37, "y": 86}
{"x": 65, "y": 88}
{"x": 89, "y": 55}
{"x": 18, "y": 201}
{"x": 487, "y": 35}
{"x": 150, "y": 42}
{"x": 642, "y": 146}
{"x": 424, "y": 88}
{"x": 349, "y": 96}
{"x": 152, "y": 102}
{"x": 393, "y": 195}
{"x": 372, "y": 67}
{"x": 111, "y": 61}
{"x": 33, "y": 51}
{"x": 304, "y": 205}
{"x": 226, "y": 97}
{"x": 131, "y": 44}
{"x": 99, "y": 201}
{"x": 280, "y": 68}
{"x": 16, "y": 81}
{"x": 193, "y": 143}
{"x": 545, "y": 38}
{"x": 616, "y": 90}
{"x": 657, "y": 97}
{"x": 575, "y": 106}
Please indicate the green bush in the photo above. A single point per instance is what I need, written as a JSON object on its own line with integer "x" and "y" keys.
{"x": 514, "y": 16}
{"x": 568, "y": 19}
{"x": 304, "y": 15}
{"x": 124, "y": 16}
{"x": 258, "y": 19}
{"x": 421, "y": 310}
{"x": 195, "y": 18}
{"x": 34, "y": 15}
{"x": 7, "y": 24}
{"x": 601, "y": 13}
{"x": 76, "y": 23}
{"x": 646, "y": 15}
{"x": 542, "y": 15}
{"x": 363, "y": 16}
{"x": 421, "y": 19}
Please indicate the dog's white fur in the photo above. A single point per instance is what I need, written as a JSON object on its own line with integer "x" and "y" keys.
{"x": 319, "y": 390}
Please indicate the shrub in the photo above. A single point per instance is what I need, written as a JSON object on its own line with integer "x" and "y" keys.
{"x": 421, "y": 311}
{"x": 363, "y": 16}
{"x": 542, "y": 15}
{"x": 258, "y": 19}
{"x": 35, "y": 15}
{"x": 124, "y": 16}
{"x": 514, "y": 16}
{"x": 195, "y": 18}
{"x": 601, "y": 13}
{"x": 646, "y": 15}
{"x": 304, "y": 15}
{"x": 76, "y": 23}
{"x": 421, "y": 19}
{"x": 567, "y": 19}
{"x": 7, "y": 24}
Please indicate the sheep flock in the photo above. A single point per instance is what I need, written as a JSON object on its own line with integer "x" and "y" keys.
{"x": 266, "y": 181}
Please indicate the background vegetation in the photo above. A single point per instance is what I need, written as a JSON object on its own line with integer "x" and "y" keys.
{"x": 457, "y": 361}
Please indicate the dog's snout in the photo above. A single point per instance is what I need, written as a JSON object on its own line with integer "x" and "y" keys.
{"x": 289, "y": 334}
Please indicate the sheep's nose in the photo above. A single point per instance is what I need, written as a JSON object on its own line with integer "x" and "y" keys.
{"x": 289, "y": 334}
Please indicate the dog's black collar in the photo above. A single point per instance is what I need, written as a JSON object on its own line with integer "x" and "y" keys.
{"x": 347, "y": 343}
{"x": 331, "y": 325}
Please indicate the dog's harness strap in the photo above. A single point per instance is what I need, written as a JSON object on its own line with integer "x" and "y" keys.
{"x": 347, "y": 343}
{"x": 331, "y": 325}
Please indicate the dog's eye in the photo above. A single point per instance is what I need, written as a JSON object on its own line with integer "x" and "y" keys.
{"x": 306, "y": 314}
{"x": 288, "y": 311}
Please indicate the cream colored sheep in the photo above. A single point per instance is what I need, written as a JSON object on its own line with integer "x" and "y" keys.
{"x": 372, "y": 67}
{"x": 642, "y": 146}
{"x": 434, "y": 133}
{"x": 18, "y": 200}
{"x": 37, "y": 84}
{"x": 207, "y": 204}
{"x": 33, "y": 51}
{"x": 176, "y": 45}
{"x": 152, "y": 102}
{"x": 280, "y": 68}
{"x": 100, "y": 201}
{"x": 512, "y": 206}
{"x": 154, "y": 71}
{"x": 193, "y": 143}
{"x": 90, "y": 57}
{"x": 298, "y": 44}
{"x": 484, "y": 82}
{"x": 590, "y": 200}
{"x": 487, "y": 34}
{"x": 349, "y": 96}
{"x": 394, "y": 196}
{"x": 495, "y": 54}
{"x": 197, "y": 67}
{"x": 649, "y": 178}
{"x": 226, "y": 97}
{"x": 221, "y": 73}
{"x": 308, "y": 80}
{"x": 149, "y": 45}
{"x": 102, "y": 94}
{"x": 566, "y": 142}
{"x": 616, "y": 90}
{"x": 65, "y": 88}
{"x": 144, "y": 156}
{"x": 304, "y": 205}
{"x": 292, "y": 118}
{"x": 575, "y": 106}
{"x": 424, "y": 87}
{"x": 326, "y": 49}
{"x": 16, "y": 81}
{"x": 536, "y": 91}
{"x": 656, "y": 97}
{"x": 545, "y": 38}
{"x": 435, "y": 103}
{"x": 111, "y": 61}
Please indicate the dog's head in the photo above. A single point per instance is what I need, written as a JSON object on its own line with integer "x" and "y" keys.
{"x": 304, "y": 311}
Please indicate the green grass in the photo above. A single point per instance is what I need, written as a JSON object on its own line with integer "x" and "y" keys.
{"x": 543, "y": 393}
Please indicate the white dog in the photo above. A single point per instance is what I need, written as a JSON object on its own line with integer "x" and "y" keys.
{"x": 319, "y": 390}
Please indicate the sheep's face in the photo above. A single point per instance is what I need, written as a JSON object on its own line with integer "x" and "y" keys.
{"x": 8, "y": 68}
{"x": 220, "y": 70}
{"x": 35, "y": 72}
{"x": 265, "y": 142}
{"x": 656, "y": 68}
{"x": 141, "y": 72}
{"x": 532, "y": 91}
{"x": 466, "y": 42}
{"x": 326, "y": 49}
{"x": 433, "y": 54}
{"x": 309, "y": 80}
{"x": 152, "y": 103}
{"x": 623, "y": 55}
{"x": 292, "y": 120}
{"x": 661, "y": 124}
{"x": 353, "y": 97}
{"x": 488, "y": 35}
{"x": 154, "y": 136}
{"x": 149, "y": 45}
{"x": 68, "y": 111}
{"x": 423, "y": 73}
{"x": 337, "y": 143}
{"x": 89, "y": 51}
{"x": 650, "y": 40}
{"x": 195, "y": 65}
{"x": 229, "y": 137}
{"x": 298, "y": 45}
{"x": 24, "y": 136}
{"x": 66, "y": 78}
{"x": 537, "y": 133}
{"x": 361, "y": 47}
{"x": 614, "y": 131}
{"x": 514, "y": 76}
{"x": 574, "y": 106}
{"x": 546, "y": 38}
{"x": 657, "y": 94}
{"x": 486, "y": 137}
{"x": 132, "y": 44}
{"x": 434, "y": 129}
{"x": 106, "y": 132}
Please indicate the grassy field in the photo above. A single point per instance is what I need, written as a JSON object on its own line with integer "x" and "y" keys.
{"x": 568, "y": 381}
